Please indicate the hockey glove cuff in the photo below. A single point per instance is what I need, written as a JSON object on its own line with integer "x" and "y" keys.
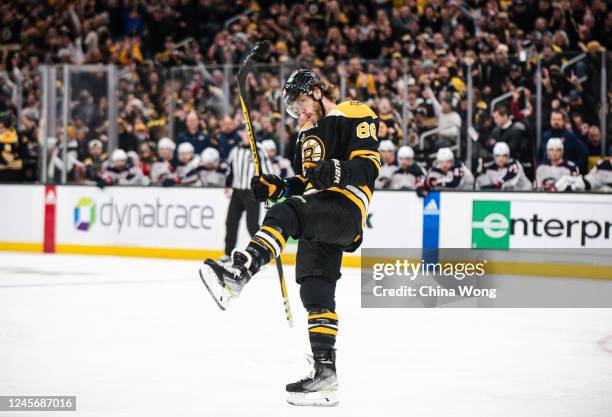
{"x": 328, "y": 174}
{"x": 266, "y": 187}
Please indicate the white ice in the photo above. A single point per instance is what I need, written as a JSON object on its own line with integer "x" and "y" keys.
{"x": 140, "y": 337}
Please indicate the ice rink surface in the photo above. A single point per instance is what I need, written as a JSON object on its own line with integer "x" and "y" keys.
{"x": 141, "y": 337}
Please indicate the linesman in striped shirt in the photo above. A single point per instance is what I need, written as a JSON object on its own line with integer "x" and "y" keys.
{"x": 240, "y": 170}
{"x": 325, "y": 209}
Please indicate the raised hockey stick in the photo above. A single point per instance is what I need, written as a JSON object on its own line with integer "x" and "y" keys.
{"x": 259, "y": 51}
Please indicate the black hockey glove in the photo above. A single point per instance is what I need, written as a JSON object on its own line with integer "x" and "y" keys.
{"x": 266, "y": 187}
{"x": 327, "y": 174}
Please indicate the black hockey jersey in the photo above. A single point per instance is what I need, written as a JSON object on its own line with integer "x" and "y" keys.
{"x": 347, "y": 133}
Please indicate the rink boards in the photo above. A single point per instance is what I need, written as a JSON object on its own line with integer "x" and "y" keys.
{"x": 189, "y": 223}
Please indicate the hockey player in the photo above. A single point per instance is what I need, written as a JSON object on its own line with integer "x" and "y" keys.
{"x": 410, "y": 175}
{"x": 503, "y": 173}
{"x": 120, "y": 171}
{"x": 447, "y": 172}
{"x": 389, "y": 164}
{"x": 186, "y": 173}
{"x": 163, "y": 168}
{"x": 281, "y": 167}
{"x": 599, "y": 178}
{"x": 325, "y": 209}
{"x": 208, "y": 171}
{"x": 548, "y": 174}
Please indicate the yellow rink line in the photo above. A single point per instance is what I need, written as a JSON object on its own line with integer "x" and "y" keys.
{"x": 587, "y": 271}
{"x": 21, "y": 246}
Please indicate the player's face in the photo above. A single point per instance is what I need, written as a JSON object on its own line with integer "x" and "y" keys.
{"x": 119, "y": 164}
{"x": 555, "y": 155}
{"x": 500, "y": 160}
{"x": 95, "y": 151}
{"x": 405, "y": 162}
{"x": 308, "y": 109}
{"x": 445, "y": 166}
{"x": 185, "y": 157}
{"x": 271, "y": 153}
{"x": 388, "y": 156}
{"x": 165, "y": 154}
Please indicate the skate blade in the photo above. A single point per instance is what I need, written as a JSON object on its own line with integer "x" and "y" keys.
{"x": 313, "y": 399}
{"x": 216, "y": 290}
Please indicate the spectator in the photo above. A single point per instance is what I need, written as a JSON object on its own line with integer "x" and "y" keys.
{"x": 513, "y": 134}
{"x": 504, "y": 172}
{"x": 410, "y": 175}
{"x": 194, "y": 134}
{"x": 593, "y": 143}
{"x": 228, "y": 137}
{"x": 389, "y": 127}
{"x": 449, "y": 121}
{"x": 573, "y": 150}
{"x": 555, "y": 167}
{"x": 11, "y": 163}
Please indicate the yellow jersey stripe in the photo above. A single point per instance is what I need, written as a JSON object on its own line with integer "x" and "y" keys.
{"x": 332, "y": 316}
{"x": 325, "y": 330}
{"x": 372, "y": 159}
{"x": 359, "y": 152}
{"x": 367, "y": 191}
{"x": 355, "y": 109}
{"x": 276, "y": 234}
{"x": 354, "y": 199}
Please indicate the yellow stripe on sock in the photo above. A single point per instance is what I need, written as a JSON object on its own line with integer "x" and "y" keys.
{"x": 325, "y": 330}
{"x": 270, "y": 248}
{"x": 258, "y": 244}
{"x": 332, "y": 316}
{"x": 276, "y": 234}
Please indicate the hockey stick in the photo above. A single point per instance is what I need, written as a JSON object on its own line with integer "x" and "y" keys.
{"x": 259, "y": 51}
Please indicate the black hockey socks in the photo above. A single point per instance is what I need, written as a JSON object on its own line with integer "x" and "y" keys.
{"x": 322, "y": 331}
{"x": 267, "y": 244}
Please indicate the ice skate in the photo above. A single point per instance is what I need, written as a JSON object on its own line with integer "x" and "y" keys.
{"x": 225, "y": 281}
{"x": 320, "y": 388}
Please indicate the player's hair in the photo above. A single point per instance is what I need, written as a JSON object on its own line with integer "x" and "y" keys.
{"x": 502, "y": 110}
{"x": 329, "y": 91}
{"x": 559, "y": 111}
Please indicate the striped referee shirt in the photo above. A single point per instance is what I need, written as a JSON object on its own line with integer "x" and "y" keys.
{"x": 240, "y": 167}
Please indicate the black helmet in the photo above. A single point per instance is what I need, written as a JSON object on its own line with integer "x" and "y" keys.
{"x": 301, "y": 82}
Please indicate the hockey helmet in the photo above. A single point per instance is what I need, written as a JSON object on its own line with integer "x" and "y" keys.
{"x": 444, "y": 154}
{"x": 501, "y": 148}
{"x": 301, "y": 82}
{"x": 405, "y": 152}
{"x": 166, "y": 143}
{"x": 185, "y": 147}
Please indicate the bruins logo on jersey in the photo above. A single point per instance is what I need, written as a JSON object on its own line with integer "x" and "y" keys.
{"x": 313, "y": 151}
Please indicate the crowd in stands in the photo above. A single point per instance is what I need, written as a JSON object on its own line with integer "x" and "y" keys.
{"x": 407, "y": 59}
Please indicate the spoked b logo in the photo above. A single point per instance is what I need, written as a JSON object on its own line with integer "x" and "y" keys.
{"x": 490, "y": 224}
